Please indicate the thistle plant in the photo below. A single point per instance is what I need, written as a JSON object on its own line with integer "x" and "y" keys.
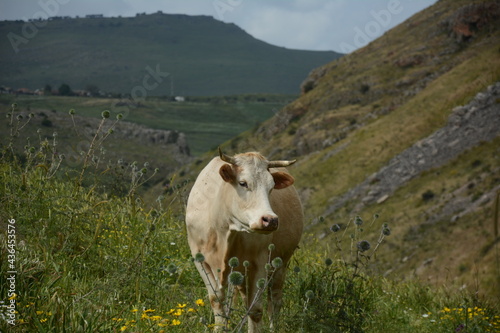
{"x": 96, "y": 141}
{"x": 16, "y": 124}
{"x": 44, "y": 157}
{"x": 336, "y": 297}
{"x": 72, "y": 113}
{"x": 237, "y": 279}
{"x": 139, "y": 177}
{"x": 262, "y": 284}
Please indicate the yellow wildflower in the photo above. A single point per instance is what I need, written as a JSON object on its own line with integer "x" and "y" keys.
{"x": 200, "y": 302}
{"x": 155, "y": 318}
{"x": 43, "y": 320}
{"x": 123, "y": 328}
{"x": 39, "y": 313}
{"x": 181, "y": 306}
{"x": 149, "y": 310}
{"x": 176, "y": 322}
{"x": 191, "y": 310}
{"x": 14, "y": 295}
{"x": 134, "y": 310}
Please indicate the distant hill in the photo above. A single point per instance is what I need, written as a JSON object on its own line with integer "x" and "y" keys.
{"x": 406, "y": 128}
{"x": 152, "y": 54}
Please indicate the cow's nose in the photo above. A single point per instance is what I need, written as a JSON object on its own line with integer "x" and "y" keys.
{"x": 269, "y": 222}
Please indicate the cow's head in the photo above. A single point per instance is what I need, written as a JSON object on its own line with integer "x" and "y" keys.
{"x": 249, "y": 174}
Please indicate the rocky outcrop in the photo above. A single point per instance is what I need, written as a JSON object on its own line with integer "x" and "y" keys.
{"x": 282, "y": 119}
{"x": 469, "y": 20}
{"x": 150, "y": 136}
{"x": 312, "y": 79}
{"x": 467, "y": 126}
{"x": 409, "y": 61}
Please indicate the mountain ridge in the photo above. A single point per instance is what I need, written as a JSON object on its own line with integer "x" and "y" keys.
{"x": 201, "y": 55}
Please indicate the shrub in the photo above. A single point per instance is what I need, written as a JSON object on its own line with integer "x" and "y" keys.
{"x": 427, "y": 195}
{"x": 364, "y": 88}
{"x": 46, "y": 122}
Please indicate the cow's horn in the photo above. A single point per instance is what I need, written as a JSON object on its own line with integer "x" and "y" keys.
{"x": 226, "y": 158}
{"x": 278, "y": 164}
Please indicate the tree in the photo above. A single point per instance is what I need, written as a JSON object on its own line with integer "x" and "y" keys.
{"x": 47, "y": 90}
{"x": 92, "y": 89}
{"x": 65, "y": 90}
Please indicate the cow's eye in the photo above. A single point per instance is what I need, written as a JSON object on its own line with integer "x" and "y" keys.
{"x": 243, "y": 184}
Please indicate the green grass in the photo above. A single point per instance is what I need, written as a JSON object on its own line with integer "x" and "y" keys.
{"x": 88, "y": 261}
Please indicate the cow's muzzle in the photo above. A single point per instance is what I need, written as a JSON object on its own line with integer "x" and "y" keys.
{"x": 268, "y": 223}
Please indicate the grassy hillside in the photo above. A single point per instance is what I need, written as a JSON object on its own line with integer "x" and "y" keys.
{"x": 201, "y": 55}
{"x": 361, "y": 112}
{"x": 81, "y": 260}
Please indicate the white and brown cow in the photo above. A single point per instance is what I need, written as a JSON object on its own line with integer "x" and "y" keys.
{"x": 237, "y": 207}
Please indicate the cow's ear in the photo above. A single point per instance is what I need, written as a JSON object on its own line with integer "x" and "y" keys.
{"x": 282, "y": 180}
{"x": 227, "y": 173}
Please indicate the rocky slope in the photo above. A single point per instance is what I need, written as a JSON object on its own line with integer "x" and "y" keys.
{"x": 467, "y": 127}
{"x": 406, "y": 128}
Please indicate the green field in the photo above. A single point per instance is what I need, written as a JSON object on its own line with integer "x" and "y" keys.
{"x": 207, "y": 122}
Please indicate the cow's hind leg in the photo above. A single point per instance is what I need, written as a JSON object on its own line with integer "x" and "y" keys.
{"x": 255, "y": 320}
{"x": 253, "y": 300}
{"x": 253, "y": 307}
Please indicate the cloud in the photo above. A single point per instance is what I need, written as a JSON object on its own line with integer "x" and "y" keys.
{"x": 318, "y": 24}
{"x": 288, "y": 26}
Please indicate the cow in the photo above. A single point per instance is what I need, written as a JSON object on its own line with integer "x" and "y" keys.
{"x": 238, "y": 206}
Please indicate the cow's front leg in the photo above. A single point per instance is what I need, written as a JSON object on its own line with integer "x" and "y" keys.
{"x": 216, "y": 294}
{"x": 217, "y": 302}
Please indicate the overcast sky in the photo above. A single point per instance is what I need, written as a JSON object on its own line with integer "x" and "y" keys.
{"x": 335, "y": 25}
